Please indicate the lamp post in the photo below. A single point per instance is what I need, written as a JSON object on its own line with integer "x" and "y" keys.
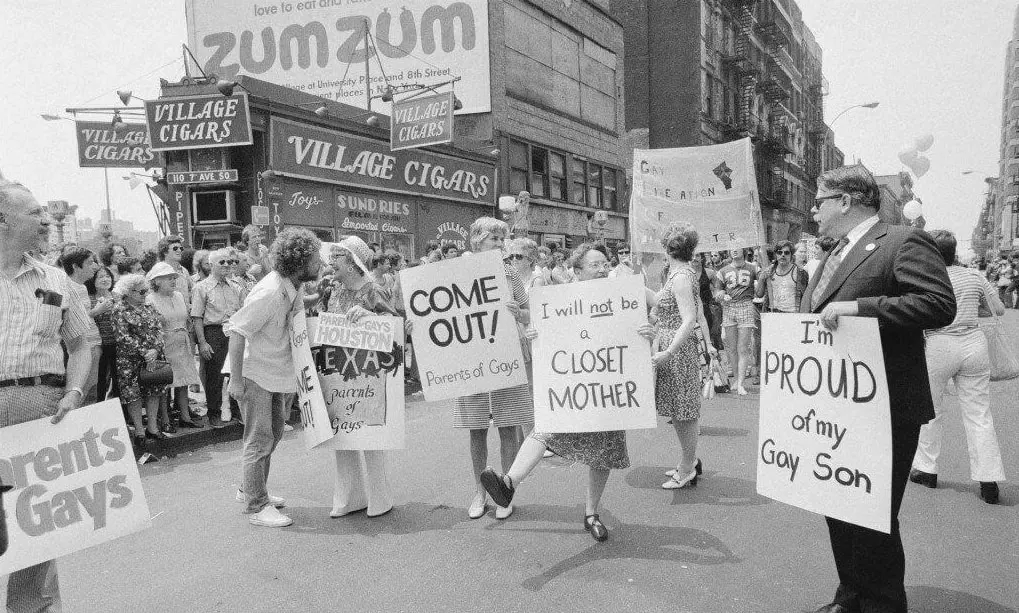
{"x": 865, "y": 105}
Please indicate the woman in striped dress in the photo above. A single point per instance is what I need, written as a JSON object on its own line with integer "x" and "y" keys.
{"x": 509, "y": 409}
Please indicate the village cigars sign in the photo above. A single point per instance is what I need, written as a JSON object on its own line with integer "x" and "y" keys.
{"x": 318, "y": 154}
{"x": 198, "y": 122}
{"x": 100, "y": 146}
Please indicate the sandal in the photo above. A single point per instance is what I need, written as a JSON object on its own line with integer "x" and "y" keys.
{"x": 597, "y": 529}
{"x": 698, "y": 468}
{"x": 499, "y": 487}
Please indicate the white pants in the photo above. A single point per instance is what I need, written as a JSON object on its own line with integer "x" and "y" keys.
{"x": 352, "y": 491}
{"x": 963, "y": 357}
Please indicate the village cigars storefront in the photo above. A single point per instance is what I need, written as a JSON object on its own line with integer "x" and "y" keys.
{"x": 336, "y": 184}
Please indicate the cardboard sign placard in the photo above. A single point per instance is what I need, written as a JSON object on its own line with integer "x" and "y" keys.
{"x": 76, "y": 485}
{"x": 374, "y": 333}
{"x": 314, "y": 416}
{"x": 825, "y": 425}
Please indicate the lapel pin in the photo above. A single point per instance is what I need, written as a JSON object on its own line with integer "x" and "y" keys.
{"x": 870, "y": 247}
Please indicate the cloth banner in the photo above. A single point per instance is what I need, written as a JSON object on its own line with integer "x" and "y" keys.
{"x": 825, "y": 424}
{"x": 363, "y": 391}
{"x": 722, "y": 224}
{"x": 465, "y": 338}
{"x": 76, "y": 485}
{"x": 592, "y": 371}
{"x": 314, "y": 416}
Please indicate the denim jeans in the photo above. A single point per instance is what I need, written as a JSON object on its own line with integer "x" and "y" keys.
{"x": 264, "y": 414}
{"x": 964, "y": 358}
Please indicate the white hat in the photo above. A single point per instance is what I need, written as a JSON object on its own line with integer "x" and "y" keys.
{"x": 359, "y": 251}
{"x": 161, "y": 269}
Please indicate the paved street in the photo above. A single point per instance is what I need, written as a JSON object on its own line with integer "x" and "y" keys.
{"x": 716, "y": 548}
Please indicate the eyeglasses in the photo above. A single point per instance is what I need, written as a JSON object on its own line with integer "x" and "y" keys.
{"x": 623, "y": 252}
{"x": 600, "y": 265}
{"x": 228, "y": 262}
{"x": 141, "y": 292}
{"x": 176, "y": 248}
{"x": 820, "y": 201}
{"x": 513, "y": 256}
{"x": 784, "y": 252}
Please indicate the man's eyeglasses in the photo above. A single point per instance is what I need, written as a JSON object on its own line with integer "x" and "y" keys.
{"x": 784, "y": 252}
{"x": 228, "y": 262}
{"x": 513, "y": 256}
{"x": 820, "y": 201}
{"x": 623, "y": 252}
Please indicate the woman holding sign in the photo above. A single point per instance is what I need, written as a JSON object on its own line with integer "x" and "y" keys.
{"x": 601, "y": 451}
{"x": 356, "y": 295}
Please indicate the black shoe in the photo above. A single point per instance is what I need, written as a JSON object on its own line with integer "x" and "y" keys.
{"x": 215, "y": 422}
{"x": 495, "y": 485}
{"x": 698, "y": 467}
{"x": 190, "y": 424}
{"x": 138, "y": 444}
{"x": 159, "y": 436}
{"x": 170, "y": 428}
{"x": 926, "y": 479}
{"x": 989, "y": 492}
{"x": 597, "y": 529}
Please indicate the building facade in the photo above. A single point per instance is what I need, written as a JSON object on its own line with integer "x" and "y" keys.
{"x": 1007, "y": 192}
{"x": 986, "y": 232}
{"x": 710, "y": 71}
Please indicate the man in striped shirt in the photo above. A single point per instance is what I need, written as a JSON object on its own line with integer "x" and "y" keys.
{"x": 36, "y": 314}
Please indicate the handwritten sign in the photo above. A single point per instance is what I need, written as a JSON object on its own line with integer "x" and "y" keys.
{"x": 465, "y": 338}
{"x": 592, "y": 371}
{"x": 374, "y": 333}
{"x": 363, "y": 392}
{"x": 314, "y": 415}
{"x": 76, "y": 485}
{"x": 825, "y": 424}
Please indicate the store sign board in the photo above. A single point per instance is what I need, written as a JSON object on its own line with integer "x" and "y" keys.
{"x": 375, "y": 212}
{"x": 319, "y": 154}
{"x": 100, "y": 146}
{"x": 214, "y": 176}
{"x": 302, "y": 203}
{"x": 307, "y": 46}
{"x": 196, "y": 122}
{"x": 419, "y": 122}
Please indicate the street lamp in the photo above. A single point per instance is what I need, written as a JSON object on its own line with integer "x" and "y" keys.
{"x": 867, "y": 105}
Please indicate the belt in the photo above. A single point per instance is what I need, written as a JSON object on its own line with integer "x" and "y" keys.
{"x": 47, "y": 380}
{"x": 213, "y": 326}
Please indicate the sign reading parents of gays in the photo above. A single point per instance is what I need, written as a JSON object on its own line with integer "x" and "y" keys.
{"x": 363, "y": 391}
{"x": 76, "y": 485}
{"x": 592, "y": 371}
{"x": 825, "y": 424}
{"x": 465, "y": 338}
{"x": 713, "y": 187}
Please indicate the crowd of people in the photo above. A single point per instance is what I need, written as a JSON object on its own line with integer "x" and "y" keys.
{"x": 153, "y": 330}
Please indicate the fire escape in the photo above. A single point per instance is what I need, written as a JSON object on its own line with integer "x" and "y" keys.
{"x": 775, "y": 138}
{"x": 738, "y": 124}
{"x": 817, "y": 130}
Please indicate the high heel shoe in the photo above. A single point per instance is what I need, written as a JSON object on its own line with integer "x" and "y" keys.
{"x": 597, "y": 529}
{"x": 698, "y": 468}
{"x": 675, "y": 483}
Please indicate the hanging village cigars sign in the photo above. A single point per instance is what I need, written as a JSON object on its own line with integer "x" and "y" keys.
{"x": 319, "y": 154}
{"x": 100, "y": 145}
{"x": 196, "y": 122}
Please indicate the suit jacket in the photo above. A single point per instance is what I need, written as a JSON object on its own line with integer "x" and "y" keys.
{"x": 903, "y": 283}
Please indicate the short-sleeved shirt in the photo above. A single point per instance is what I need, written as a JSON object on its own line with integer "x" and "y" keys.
{"x": 264, "y": 322}
{"x": 79, "y": 293}
{"x": 738, "y": 280}
{"x": 216, "y": 301}
{"x": 970, "y": 289}
{"x": 37, "y": 311}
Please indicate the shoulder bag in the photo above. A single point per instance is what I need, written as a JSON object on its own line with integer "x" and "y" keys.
{"x": 1004, "y": 365}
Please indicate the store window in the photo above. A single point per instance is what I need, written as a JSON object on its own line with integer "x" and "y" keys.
{"x": 518, "y": 167}
{"x": 539, "y": 172}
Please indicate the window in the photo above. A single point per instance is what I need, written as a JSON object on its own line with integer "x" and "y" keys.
{"x": 518, "y": 167}
{"x": 558, "y": 185}
{"x": 609, "y": 183}
{"x": 594, "y": 192}
{"x": 579, "y": 182}
{"x": 539, "y": 172}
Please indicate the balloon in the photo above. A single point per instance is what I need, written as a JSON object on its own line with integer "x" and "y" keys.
{"x": 924, "y": 142}
{"x": 912, "y": 210}
{"x": 921, "y": 166}
{"x": 908, "y": 155}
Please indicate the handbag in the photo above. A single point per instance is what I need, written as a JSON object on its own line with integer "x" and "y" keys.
{"x": 1004, "y": 365}
{"x": 160, "y": 374}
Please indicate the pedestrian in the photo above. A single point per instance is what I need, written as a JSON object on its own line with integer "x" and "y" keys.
{"x": 261, "y": 365}
{"x": 80, "y": 266}
{"x": 676, "y": 352}
{"x": 735, "y": 291}
{"x": 177, "y": 348}
{"x": 111, "y": 256}
{"x": 561, "y": 272}
{"x": 36, "y": 316}
{"x": 200, "y": 267}
{"x": 959, "y": 352}
{"x": 129, "y": 266}
{"x": 101, "y": 301}
{"x": 171, "y": 251}
{"x": 782, "y": 284}
{"x": 510, "y": 409}
{"x": 431, "y": 247}
{"x": 259, "y": 262}
{"x": 625, "y": 267}
{"x": 450, "y": 250}
{"x": 216, "y": 299}
{"x": 139, "y": 338}
{"x": 1005, "y": 273}
{"x": 896, "y": 275}
{"x": 356, "y": 294}
{"x": 601, "y": 451}
{"x": 522, "y": 255}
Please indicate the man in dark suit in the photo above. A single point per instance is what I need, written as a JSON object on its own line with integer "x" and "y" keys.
{"x": 896, "y": 275}
{"x": 3, "y": 518}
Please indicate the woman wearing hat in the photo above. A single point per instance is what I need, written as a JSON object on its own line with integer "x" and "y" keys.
{"x": 173, "y": 313}
{"x": 356, "y": 295}
{"x": 139, "y": 345}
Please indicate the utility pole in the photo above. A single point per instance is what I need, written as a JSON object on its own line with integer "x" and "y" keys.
{"x": 367, "y": 68}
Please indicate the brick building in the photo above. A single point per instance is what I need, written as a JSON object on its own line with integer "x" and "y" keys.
{"x": 1005, "y": 215}
{"x": 710, "y": 71}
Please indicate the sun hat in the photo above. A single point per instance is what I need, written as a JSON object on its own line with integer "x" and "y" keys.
{"x": 161, "y": 269}
{"x": 360, "y": 252}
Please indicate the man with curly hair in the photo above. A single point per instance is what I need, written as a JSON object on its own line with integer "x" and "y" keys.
{"x": 262, "y": 377}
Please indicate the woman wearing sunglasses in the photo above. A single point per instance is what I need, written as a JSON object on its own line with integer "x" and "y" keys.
{"x": 522, "y": 255}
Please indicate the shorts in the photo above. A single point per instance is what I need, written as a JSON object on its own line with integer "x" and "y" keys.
{"x": 741, "y": 314}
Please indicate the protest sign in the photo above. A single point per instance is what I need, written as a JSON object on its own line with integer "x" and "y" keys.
{"x": 825, "y": 425}
{"x": 76, "y": 485}
{"x": 374, "y": 333}
{"x": 592, "y": 371}
{"x": 314, "y": 416}
{"x": 465, "y": 338}
{"x": 363, "y": 392}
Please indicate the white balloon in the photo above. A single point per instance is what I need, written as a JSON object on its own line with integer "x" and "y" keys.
{"x": 912, "y": 210}
{"x": 924, "y": 142}
{"x": 908, "y": 155}
{"x": 921, "y": 166}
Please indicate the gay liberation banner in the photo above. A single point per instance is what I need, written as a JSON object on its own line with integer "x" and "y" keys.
{"x": 592, "y": 371}
{"x": 314, "y": 416}
{"x": 76, "y": 485}
{"x": 362, "y": 390}
{"x": 825, "y": 424}
{"x": 465, "y": 338}
{"x": 713, "y": 187}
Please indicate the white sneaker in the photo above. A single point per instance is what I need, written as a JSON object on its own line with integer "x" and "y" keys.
{"x": 275, "y": 501}
{"x": 288, "y": 428}
{"x": 225, "y": 414}
{"x": 270, "y": 517}
{"x": 503, "y": 512}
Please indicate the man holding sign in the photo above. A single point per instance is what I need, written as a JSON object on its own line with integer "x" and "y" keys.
{"x": 896, "y": 275}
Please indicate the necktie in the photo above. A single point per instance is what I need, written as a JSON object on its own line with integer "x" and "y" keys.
{"x": 830, "y": 266}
